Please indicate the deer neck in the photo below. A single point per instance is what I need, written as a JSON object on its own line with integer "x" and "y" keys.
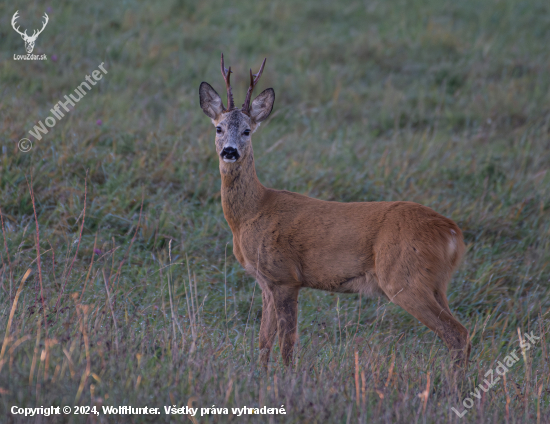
{"x": 241, "y": 191}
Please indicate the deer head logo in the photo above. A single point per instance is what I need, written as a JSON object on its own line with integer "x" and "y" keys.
{"x": 29, "y": 40}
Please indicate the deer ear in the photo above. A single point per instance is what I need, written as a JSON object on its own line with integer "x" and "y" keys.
{"x": 211, "y": 102}
{"x": 262, "y": 105}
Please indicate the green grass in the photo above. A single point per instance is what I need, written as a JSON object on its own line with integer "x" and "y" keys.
{"x": 437, "y": 102}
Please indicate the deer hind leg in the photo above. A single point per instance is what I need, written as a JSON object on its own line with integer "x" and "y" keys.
{"x": 464, "y": 348}
{"x": 286, "y": 305}
{"x": 268, "y": 326}
{"x": 420, "y": 294}
{"x": 424, "y": 307}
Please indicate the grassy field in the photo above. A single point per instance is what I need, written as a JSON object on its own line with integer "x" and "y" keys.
{"x": 134, "y": 296}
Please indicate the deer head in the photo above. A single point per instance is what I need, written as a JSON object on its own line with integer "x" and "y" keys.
{"x": 234, "y": 126}
{"x": 29, "y": 40}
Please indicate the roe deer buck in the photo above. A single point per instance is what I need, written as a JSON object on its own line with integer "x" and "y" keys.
{"x": 401, "y": 250}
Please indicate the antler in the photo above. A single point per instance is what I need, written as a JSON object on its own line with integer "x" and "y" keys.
{"x": 254, "y": 78}
{"x": 24, "y": 34}
{"x": 226, "y": 75}
{"x": 13, "y": 19}
{"x": 43, "y": 26}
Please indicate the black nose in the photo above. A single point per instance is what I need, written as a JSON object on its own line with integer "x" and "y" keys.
{"x": 230, "y": 153}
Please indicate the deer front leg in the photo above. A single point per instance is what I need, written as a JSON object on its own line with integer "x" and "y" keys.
{"x": 268, "y": 327}
{"x": 286, "y": 305}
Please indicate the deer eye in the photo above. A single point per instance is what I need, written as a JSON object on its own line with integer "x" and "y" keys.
{"x": 246, "y": 132}
{"x": 219, "y": 130}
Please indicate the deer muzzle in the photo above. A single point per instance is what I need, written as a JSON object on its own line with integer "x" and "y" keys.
{"x": 230, "y": 154}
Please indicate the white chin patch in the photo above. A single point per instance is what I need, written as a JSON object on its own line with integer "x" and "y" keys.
{"x": 229, "y": 160}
